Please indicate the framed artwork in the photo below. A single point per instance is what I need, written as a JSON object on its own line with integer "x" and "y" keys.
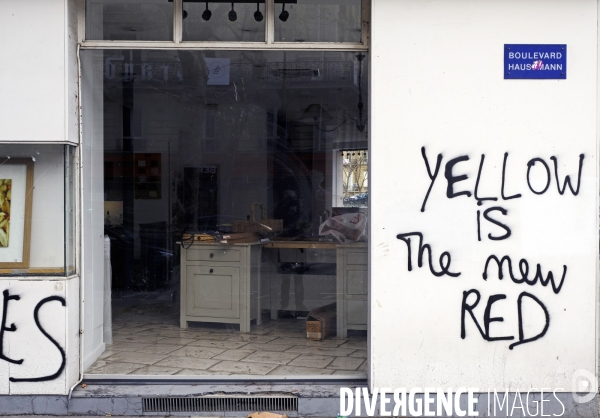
{"x": 147, "y": 176}
{"x": 16, "y": 196}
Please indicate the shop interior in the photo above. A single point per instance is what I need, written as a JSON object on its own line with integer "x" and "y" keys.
{"x": 236, "y": 207}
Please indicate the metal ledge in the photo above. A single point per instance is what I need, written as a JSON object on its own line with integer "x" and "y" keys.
{"x": 254, "y": 46}
{"x": 118, "y": 379}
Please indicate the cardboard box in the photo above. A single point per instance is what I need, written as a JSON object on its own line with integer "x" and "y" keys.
{"x": 321, "y": 322}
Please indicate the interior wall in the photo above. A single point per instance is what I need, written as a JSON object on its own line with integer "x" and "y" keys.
{"x": 176, "y": 131}
{"x": 438, "y": 91}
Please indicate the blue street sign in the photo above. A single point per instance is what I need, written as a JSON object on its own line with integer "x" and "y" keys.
{"x": 545, "y": 61}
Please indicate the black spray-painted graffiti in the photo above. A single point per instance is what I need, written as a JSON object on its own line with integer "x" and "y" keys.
{"x": 7, "y": 297}
{"x": 452, "y": 178}
{"x": 492, "y": 215}
{"x": 524, "y": 270}
{"x": 487, "y": 318}
{"x": 445, "y": 257}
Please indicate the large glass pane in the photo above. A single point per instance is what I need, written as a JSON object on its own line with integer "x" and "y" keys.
{"x": 232, "y": 250}
{"x": 224, "y": 21}
{"x": 36, "y": 225}
{"x": 129, "y": 20}
{"x": 318, "y": 21}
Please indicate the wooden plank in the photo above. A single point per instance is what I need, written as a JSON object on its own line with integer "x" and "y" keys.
{"x": 238, "y": 235}
{"x": 247, "y": 240}
{"x": 301, "y": 244}
{"x": 34, "y": 270}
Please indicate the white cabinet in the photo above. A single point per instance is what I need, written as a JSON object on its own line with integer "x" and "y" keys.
{"x": 220, "y": 283}
{"x": 352, "y": 287}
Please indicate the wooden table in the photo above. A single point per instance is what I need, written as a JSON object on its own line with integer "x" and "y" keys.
{"x": 301, "y": 244}
{"x": 351, "y": 280}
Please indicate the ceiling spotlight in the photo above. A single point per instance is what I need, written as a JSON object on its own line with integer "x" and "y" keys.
{"x": 258, "y": 16}
{"x": 284, "y": 15}
{"x": 232, "y": 14}
{"x": 183, "y": 12}
{"x": 207, "y": 13}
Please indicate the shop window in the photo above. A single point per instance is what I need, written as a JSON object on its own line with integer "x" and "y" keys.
{"x": 224, "y": 21}
{"x": 37, "y": 210}
{"x": 216, "y": 268}
{"x": 318, "y": 21}
{"x": 291, "y": 21}
{"x": 129, "y": 20}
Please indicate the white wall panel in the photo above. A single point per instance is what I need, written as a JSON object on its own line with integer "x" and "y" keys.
{"x": 437, "y": 82}
{"x": 33, "y": 72}
{"x": 39, "y": 310}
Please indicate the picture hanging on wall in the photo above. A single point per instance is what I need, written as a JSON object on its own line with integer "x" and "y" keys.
{"x": 147, "y": 176}
{"x": 16, "y": 196}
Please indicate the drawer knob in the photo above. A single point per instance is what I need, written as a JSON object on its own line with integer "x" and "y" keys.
{"x": 211, "y": 255}
{"x": 211, "y": 270}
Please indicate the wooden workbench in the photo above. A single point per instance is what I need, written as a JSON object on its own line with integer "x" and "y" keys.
{"x": 280, "y": 243}
{"x": 351, "y": 280}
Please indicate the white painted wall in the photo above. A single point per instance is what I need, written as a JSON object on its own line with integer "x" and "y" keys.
{"x": 38, "y": 74}
{"x": 39, "y": 104}
{"x": 41, "y": 356}
{"x": 437, "y": 82}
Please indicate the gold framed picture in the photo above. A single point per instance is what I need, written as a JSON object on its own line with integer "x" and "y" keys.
{"x": 16, "y": 197}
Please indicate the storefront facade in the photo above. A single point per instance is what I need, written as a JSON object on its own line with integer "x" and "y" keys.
{"x": 193, "y": 193}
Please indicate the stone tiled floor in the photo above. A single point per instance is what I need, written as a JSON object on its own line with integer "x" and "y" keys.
{"x": 147, "y": 342}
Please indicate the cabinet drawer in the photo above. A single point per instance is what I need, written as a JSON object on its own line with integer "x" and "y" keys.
{"x": 356, "y": 282}
{"x": 356, "y": 258}
{"x": 356, "y": 312}
{"x": 214, "y": 254}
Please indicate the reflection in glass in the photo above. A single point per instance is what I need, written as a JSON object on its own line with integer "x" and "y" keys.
{"x": 222, "y": 21}
{"x": 318, "y": 21}
{"x": 355, "y": 177}
{"x": 198, "y": 147}
{"x": 125, "y": 20}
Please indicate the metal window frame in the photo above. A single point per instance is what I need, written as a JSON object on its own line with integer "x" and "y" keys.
{"x": 268, "y": 44}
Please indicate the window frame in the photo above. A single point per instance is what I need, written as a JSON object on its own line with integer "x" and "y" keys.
{"x": 178, "y": 44}
{"x": 269, "y": 44}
